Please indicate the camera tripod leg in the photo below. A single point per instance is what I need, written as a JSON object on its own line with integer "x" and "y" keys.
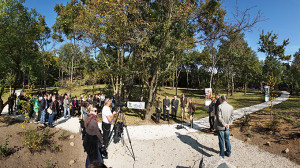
{"x": 130, "y": 142}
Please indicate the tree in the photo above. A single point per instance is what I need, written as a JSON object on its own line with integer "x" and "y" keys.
{"x": 18, "y": 49}
{"x": 65, "y": 24}
{"x": 274, "y": 54}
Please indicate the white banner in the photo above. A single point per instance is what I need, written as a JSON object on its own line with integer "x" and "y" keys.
{"x": 136, "y": 105}
{"x": 208, "y": 95}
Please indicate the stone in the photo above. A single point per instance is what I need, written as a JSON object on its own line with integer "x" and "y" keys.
{"x": 215, "y": 161}
{"x": 71, "y": 162}
{"x": 286, "y": 150}
{"x": 72, "y": 144}
{"x": 72, "y": 137}
{"x": 268, "y": 143}
{"x": 248, "y": 140}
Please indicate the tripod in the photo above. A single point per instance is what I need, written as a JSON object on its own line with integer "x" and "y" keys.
{"x": 181, "y": 124}
{"x": 117, "y": 131}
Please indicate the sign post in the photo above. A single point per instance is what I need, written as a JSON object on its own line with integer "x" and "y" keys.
{"x": 267, "y": 93}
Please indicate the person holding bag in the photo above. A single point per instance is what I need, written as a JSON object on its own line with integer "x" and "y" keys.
{"x": 93, "y": 138}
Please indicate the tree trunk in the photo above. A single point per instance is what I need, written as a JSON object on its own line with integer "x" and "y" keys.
{"x": 211, "y": 77}
{"x": 232, "y": 85}
{"x": 245, "y": 85}
{"x": 151, "y": 91}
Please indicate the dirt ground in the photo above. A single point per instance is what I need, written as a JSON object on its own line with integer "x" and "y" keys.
{"x": 258, "y": 133}
{"x": 20, "y": 156}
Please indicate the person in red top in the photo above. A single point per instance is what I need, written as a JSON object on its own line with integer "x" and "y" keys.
{"x": 74, "y": 106}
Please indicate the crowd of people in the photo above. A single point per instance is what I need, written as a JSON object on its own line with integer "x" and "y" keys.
{"x": 187, "y": 108}
{"x": 220, "y": 116}
{"x": 45, "y": 108}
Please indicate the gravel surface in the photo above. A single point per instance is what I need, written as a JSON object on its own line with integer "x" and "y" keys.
{"x": 165, "y": 146}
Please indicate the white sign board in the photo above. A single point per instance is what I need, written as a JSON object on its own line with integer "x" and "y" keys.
{"x": 267, "y": 93}
{"x": 208, "y": 95}
{"x": 136, "y": 105}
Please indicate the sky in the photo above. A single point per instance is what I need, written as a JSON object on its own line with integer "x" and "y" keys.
{"x": 281, "y": 18}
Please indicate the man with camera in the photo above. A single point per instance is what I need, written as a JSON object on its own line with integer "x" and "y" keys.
{"x": 107, "y": 118}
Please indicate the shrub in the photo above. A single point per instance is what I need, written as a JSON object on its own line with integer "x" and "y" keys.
{"x": 249, "y": 133}
{"x": 246, "y": 120}
{"x": 3, "y": 147}
{"x": 55, "y": 147}
{"x": 275, "y": 123}
{"x": 63, "y": 135}
{"x": 36, "y": 140}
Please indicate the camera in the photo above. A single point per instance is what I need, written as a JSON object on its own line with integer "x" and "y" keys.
{"x": 121, "y": 104}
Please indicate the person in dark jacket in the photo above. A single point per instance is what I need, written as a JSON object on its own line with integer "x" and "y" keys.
{"x": 52, "y": 111}
{"x": 93, "y": 138}
{"x": 10, "y": 104}
{"x": 158, "y": 109}
{"x": 166, "y": 108}
{"x": 174, "y": 104}
{"x": 218, "y": 102}
{"x": 74, "y": 106}
{"x": 191, "y": 110}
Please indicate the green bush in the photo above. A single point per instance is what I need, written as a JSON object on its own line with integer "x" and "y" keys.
{"x": 249, "y": 133}
{"x": 3, "y": 147}
{"x": 275, "y": 123}
{"x": 246, "y": 120}
{"x": 36, "y": 140}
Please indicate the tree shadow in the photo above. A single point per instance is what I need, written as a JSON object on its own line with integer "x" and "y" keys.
{"x": 196, "y": 145}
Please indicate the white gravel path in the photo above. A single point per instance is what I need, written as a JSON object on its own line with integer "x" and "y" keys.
{"x": 166, "y": 146}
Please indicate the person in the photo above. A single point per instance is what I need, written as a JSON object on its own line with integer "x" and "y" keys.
{"x": 32, "y": 100}
{"x": 107, "y": 118}
{"x": 80, "y": 101}
{"x": 66, "y": 107}
{"x": 183, "y": 102}
{"x": 84, "y": 106}
{"x": 97, "y": 164}
{"x": 102, "y": 99}
{"x": 36, "y": 108}
{"x": 74, "y": 106}
{"x": 218, "y": 102}
{"x": 211, "y": 112}
{"x": 191, "y": 110}
{"x": 113, "y": 102}
{"x": 93, "y": 138}
{"x": 10, "y": 105}
{"x": 52, "y": 111}
{"x": 18, "y": 105}
{"x": 43, "y": 109}
{"x": 166, "y": 107}
{"x": 158, "y": 109}
{"x": 174, "y": 104}
{"x": 224, "y": 119}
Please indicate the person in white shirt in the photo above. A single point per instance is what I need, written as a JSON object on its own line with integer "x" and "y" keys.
{"x": 107, "y": 119}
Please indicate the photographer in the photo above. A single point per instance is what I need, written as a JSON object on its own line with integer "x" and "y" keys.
{"x": 107, "y": 118}
{"x": 92, "y": 138}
